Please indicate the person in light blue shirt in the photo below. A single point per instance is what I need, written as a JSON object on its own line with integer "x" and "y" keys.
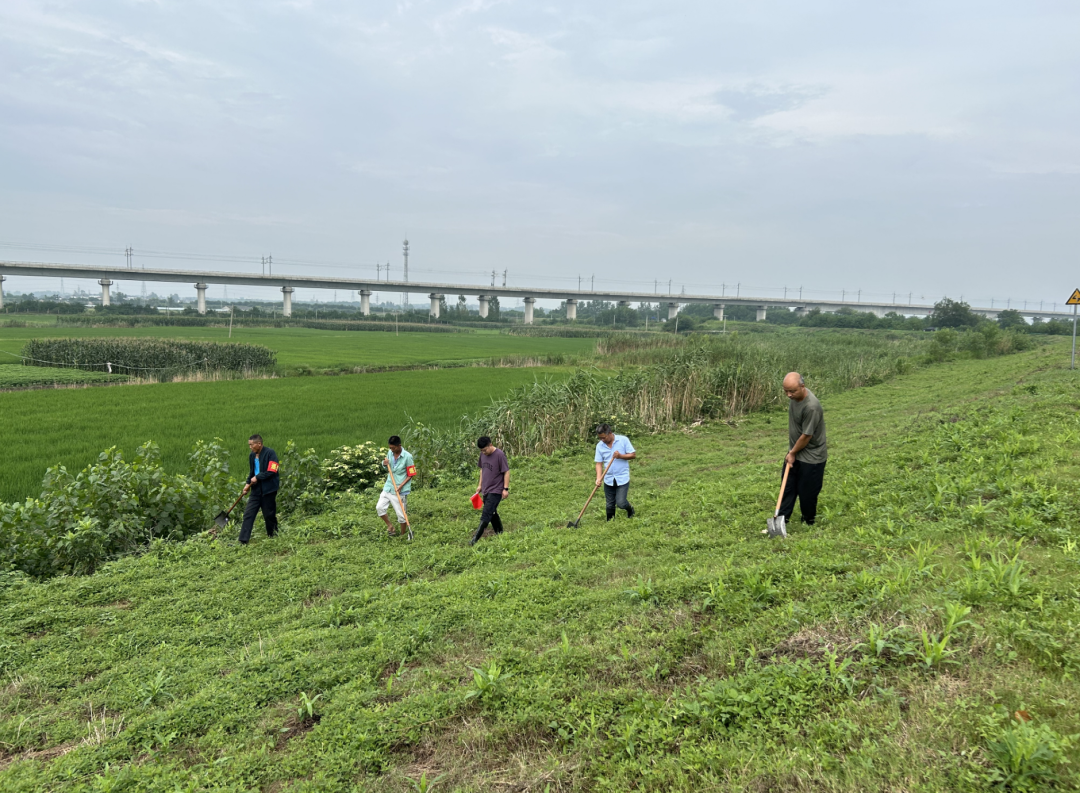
{"x": 617, "y": 450}
{"x": 402, "y": 472}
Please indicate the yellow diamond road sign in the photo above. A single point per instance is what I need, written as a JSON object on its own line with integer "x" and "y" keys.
{"x": 1074, "y": 299}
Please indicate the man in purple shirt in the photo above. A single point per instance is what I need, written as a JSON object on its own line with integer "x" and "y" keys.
{"x": 494, "y": 486}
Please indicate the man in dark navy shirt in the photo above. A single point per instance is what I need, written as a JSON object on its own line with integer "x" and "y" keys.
{"x": 263, "y": 483}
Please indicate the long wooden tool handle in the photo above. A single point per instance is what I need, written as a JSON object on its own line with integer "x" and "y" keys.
{"x": 397, "y": 492}
{"x": 783, "y": 487}
{"x": 234, "y": 504}
{"x": 593, "y": 493}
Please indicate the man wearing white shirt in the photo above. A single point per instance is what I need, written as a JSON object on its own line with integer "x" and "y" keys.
{"x": 617, "y": 450}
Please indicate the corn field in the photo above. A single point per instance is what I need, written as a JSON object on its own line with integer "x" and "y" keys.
{"x": 147, "y": 358}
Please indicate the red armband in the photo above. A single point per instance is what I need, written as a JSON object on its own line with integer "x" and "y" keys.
{"x": 410, "y": 471}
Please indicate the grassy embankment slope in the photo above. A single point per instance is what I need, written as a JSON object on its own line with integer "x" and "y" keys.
{"x": 323, "y": 349}
{"x": 43, "y": 428}
{"x": 680, "y": 651}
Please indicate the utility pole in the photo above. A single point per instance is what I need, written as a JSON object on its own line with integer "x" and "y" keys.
{"x": 738, "y": 288}
{"x": 405, "y": 251}
{"x": 493, "y": 278}
{"x": 592, "y": 282}
{"x": 800, "y": 293}
{"x": 263, "y": 270}
{"x": 127, "y": 255}
{"x": 669, "y": 286}
{"x": 504, "y": 278}
{"x": 270, "y": 264}
{"x": 785, "y": 293}
{"x": 579, "y": 283}
{"x": 656, "y": 291}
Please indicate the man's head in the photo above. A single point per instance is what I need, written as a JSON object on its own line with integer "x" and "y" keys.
{"x": 395, "y": 444}
{"x": 484, "y": 444}
{"x": 255, "y": 443}
{"x": 605, "y": 433}
{"x": 794, "y": 387}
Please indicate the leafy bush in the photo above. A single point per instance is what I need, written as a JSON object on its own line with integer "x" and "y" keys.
{"x": 302, "y": 484}
{"x": 147, "y": 357}
{"x": 353, "y": 468}
{"x": 111, "y": 508}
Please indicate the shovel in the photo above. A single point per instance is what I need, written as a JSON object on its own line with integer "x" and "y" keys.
{"x": 574, "y": 523}
{"x": 222, "y": 518}
{"x": 776, "y": 523}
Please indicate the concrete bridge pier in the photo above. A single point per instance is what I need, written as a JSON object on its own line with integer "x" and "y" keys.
{"x": 529, "y": 302}
{"x": 624, "y": 304}
{"x": 483, "y": 306}
{"x": 434, "y": 310}
{"x": 672, "y": 310}
{"x": 801, "y": 311}
{"x": 571, "y": 309}
{"x": 200, "y": 291}
{"x": 286, "y": 301}
{"x": 105, "y": 284}
{"x": 718, "y": 311}
{"x": 760, "y": 314}
{"x": 2, "y": 279}
{"x": 365, "y": 302}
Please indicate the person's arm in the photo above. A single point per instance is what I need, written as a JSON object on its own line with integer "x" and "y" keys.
{"x": 599, "y": 472}
{"x": 410, "y": 472}
{"x": 271, "y": 467}
{"x": 627, "y": 455}
{"x": 506, "y": 483}
{"x": 798, "y": 447}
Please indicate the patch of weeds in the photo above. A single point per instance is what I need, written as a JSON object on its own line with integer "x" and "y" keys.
{"x": 1026, "y": 757}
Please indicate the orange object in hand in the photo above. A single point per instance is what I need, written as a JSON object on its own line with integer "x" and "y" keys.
{"x": 477, "y": 501}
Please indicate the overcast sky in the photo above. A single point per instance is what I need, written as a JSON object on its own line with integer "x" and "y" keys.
{"x": 916, "y": 147}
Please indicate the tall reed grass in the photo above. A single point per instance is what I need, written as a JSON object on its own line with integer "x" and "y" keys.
{"x": 662, "y": 382}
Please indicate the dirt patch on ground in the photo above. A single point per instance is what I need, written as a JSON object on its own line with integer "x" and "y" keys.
{"x": 295, "y": 727}
{"x": 815, "y": 642}
{"x": 37, "y": 754}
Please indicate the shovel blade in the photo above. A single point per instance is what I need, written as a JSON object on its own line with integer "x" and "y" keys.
{"x": 222, "y": 519}
{"x": 777, "y": 526}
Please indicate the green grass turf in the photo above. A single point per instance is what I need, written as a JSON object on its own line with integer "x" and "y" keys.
{"x": 321, "y": 349}
{"x": 680, "y": 651}
{"x": 42, "y": 428}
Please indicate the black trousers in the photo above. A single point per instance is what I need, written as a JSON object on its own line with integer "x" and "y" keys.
{"x": 490, "y": 515}
{"x": 268, "y": 504}
{"x": 804, "y": 482}
{"x": 616, "y": 498}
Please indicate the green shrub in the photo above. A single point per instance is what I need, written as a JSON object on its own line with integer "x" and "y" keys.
{"x": 149, "y": 358}
{"x": 111, "y": 508}
{"x": 353, "y": 468}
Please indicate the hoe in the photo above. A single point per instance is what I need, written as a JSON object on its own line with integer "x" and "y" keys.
{"x": 574, "y": 523}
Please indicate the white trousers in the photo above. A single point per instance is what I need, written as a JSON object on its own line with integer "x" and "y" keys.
{"x": 387, "y": 500}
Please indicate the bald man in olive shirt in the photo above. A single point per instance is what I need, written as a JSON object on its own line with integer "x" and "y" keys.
{"x": 808, "y": 451}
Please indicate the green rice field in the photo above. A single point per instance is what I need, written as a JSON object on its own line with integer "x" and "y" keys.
{"x": 322, "y": 349}
{"x": 73, "y": 426}
{"x": 19, "y": 376}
